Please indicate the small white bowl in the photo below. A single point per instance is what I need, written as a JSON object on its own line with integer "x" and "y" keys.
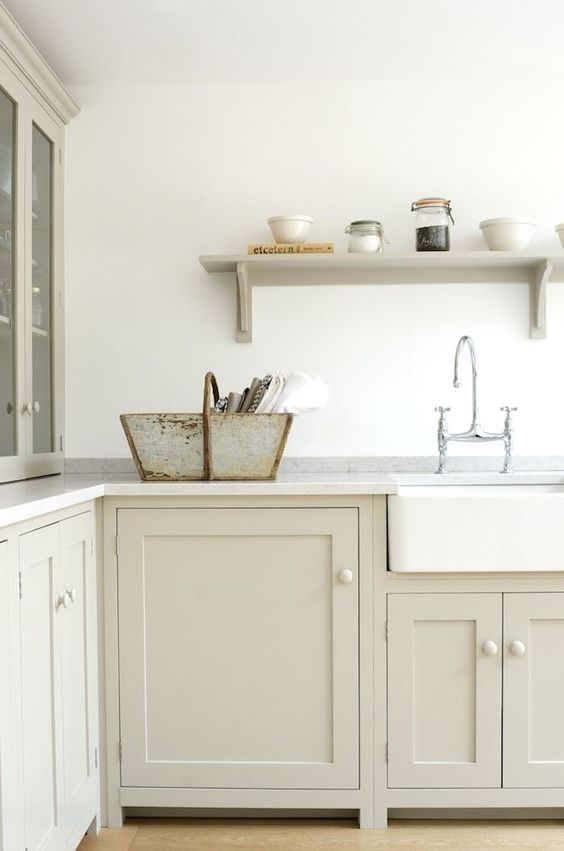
{"x": 560, "y": 231}
{"x": 289, "y": 228}
{"x": 508, "y": 234}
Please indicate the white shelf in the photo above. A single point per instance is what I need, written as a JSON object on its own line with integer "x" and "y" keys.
{"x": 6, "y": 324}
{"x": 433, "y": 267}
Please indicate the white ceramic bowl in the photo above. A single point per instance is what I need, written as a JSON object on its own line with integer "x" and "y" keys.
{"x": 560, "y": 231}
{"x": 289, "y": 228}
{"x": 508, "y": 234}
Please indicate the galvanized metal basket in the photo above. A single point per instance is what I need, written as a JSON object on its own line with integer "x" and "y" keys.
{"x": 207, "y": 446}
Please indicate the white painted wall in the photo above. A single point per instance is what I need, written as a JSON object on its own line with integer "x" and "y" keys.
{"x": 159, "y": 175}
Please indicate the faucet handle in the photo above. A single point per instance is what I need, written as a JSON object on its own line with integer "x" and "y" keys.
{"x": 508, "y": 410}
{"x": 441, "y": 410}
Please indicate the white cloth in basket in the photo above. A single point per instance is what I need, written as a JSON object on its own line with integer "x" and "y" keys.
{"x": 295, "y": 393}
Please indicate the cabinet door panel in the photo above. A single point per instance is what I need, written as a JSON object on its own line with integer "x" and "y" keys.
{"x": 534, "y": 691}
{"x": 444, "y": 692}
{"x": 238, "y": 647}
{"x": 41, "y": 689}
{"x": 78, "y": 634}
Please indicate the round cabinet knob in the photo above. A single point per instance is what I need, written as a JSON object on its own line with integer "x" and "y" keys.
{"x": 36, "y": 407}
{"x": 489, "y": 648}
{"x": 27, "y": 408}
{"x": 63, "y": 600}
{"x": 73, "y": 594}
{"x": 345, "y": 576}
{"x": 517, "y": 648}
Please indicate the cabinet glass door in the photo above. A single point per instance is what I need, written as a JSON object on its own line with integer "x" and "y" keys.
{"x": 42, "y": 291}
{"x": 8, "y": 401}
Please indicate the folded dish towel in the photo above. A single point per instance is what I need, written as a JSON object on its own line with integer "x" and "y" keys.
{"x": 301, "y": 393}
{"x": 268, "y": 402}
{"x": 261, "y": 390}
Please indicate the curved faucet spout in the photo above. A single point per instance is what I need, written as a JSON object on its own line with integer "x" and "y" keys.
{"x": 469, "y": 342}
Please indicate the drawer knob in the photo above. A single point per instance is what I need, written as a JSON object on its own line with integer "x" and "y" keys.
{"x": 345, "y": 576}
{"x": 489, "y": 648}
{"x": 517, "y": 648}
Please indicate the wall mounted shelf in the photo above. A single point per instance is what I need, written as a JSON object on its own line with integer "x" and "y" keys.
{"x": 450, "y": 267}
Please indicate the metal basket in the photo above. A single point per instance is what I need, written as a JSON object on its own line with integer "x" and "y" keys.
{"x": 207, "y": 446}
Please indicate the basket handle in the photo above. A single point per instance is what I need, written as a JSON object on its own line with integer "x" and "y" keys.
{"x": 210, "y": 387}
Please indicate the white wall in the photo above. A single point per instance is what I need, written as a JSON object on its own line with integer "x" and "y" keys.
{"x": 157, "y": 176}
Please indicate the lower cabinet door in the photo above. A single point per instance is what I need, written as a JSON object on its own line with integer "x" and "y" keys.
{"x": 444, "y": 690}
{"x": 77, "y": 625}
{"x": 238, "y": 647}
{"x": 41, "y": 689}
{"x": 533, "y": 694}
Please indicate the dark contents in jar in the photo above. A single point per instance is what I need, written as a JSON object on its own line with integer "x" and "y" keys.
{"x": 432, "y": 238}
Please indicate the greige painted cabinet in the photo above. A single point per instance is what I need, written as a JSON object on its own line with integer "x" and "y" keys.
{"x": 533, "y": 691}
{"x": 444, "y": 690}
{"x": 34, "y": 108}
{"x": 58, "y": 677}
{"x": 447, "y": 655}
{"x": 238, "y": 648}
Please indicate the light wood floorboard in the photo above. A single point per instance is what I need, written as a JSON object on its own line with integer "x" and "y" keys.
{"x": 325, "y": 835}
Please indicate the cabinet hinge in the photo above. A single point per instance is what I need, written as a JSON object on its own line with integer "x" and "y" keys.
{"x": 95, "y": 757}
{"x": 60, "y": 443}
{"x": 20, "y": 584}
{"x": 117, "y": 545}
{"x": 387, "y": 752}
{"x": 387, "y": 630}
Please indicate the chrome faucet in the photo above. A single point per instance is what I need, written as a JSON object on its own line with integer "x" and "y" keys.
{"x": 475, "y": 434}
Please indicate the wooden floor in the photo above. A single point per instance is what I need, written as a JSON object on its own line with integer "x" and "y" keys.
{"x": 325, "y": 835}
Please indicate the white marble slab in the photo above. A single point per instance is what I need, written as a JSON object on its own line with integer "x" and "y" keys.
{"x": 25, "y": 500}
{"x": 21, "y": 501}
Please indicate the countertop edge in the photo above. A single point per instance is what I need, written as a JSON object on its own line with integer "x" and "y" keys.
{"x": 21, "y": 504}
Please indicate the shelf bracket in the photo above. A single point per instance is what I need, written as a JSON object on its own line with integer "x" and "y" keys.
{"x": 244, "y": 305}
{"x": 538, "y": 299}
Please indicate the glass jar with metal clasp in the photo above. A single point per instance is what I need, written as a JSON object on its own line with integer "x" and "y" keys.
{"x": 432, "y": 224}
{"x": 365, "y": 235}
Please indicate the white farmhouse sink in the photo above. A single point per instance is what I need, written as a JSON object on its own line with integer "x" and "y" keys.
{"x": 461, "y": 528}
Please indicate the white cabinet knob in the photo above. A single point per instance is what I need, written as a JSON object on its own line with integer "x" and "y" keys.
{"x": 489, "y": 648}
{"x": 63, "y": 600}
{"x": 27, "y": 408}
{"x": 345, "y": 576}
{"x": 73, "y": 594}
{"x": 517, "y": 648}
{"x": 36, "y": 407}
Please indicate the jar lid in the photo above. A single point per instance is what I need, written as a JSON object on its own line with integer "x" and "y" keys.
{"x": 431, "y": 202}
{"x": 365, "y": 222}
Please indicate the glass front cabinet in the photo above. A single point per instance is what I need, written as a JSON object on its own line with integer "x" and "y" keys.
{"x": 31, "y": 265}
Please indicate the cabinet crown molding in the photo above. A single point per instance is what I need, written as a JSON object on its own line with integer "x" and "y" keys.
{"x": 33, "y": 70}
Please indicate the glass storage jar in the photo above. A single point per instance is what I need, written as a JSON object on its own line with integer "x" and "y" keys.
{"x": 365, "y": 235}
{"x": 432, "y": 224}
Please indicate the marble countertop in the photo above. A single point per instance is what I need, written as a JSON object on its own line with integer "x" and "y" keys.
{"x": 21, "y": 501}
{"x": 24, "y": 500}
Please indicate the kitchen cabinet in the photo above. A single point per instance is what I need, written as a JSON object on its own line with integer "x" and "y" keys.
{"x": 33, "y": 111}
{"x": 448, "y": 655}
{"x": 238, "y": 648}
{"x": 444, "y": 698}
{"x": 56, "y": 658}
{"x": 533, "y": 690}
